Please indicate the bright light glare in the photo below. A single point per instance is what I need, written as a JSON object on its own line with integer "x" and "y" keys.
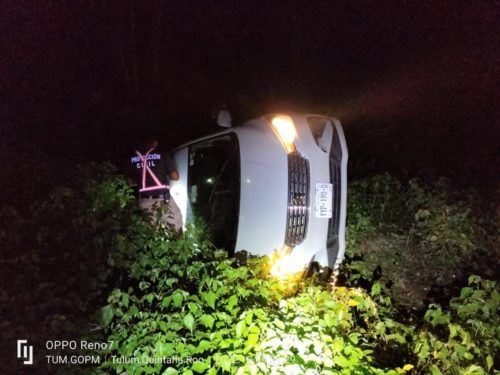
{"x": 285, "y": 129}
{"x": 285, "y": 266}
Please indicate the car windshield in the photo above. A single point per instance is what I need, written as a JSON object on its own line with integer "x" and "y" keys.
{"x": 214, "y": 187}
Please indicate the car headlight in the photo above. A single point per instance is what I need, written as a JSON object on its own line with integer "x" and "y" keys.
{"x": 284, "y": 264}
{"x": 285, "y": 131}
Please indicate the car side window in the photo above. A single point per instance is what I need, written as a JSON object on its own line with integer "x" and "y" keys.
{"x": 214, "y": 186}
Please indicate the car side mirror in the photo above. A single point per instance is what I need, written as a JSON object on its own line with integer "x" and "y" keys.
{"x": 224, "y": 118}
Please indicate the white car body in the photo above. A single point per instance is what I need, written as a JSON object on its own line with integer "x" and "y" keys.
{"x": 266, "y": 185}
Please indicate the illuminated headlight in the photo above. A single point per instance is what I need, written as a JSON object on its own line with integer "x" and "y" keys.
{"x": 285, "y": 131}
{"x": 285, "y": 265}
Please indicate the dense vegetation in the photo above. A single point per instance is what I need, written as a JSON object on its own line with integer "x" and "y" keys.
{"x": 421, "y": 241}
{"x": 85, "y": 263}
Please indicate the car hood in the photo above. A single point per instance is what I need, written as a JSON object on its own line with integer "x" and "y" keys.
{"x": 264, "y": 189}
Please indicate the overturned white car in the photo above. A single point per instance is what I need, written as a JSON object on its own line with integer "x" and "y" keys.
{"x": 275, "y": 183}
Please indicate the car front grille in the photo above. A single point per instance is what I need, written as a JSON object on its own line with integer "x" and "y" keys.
{"x": 335, "y": 160}
{"x": 298, "y": 199}
{"x": 333, "y": 222}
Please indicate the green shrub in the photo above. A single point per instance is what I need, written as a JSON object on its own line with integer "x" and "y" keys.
{"x": 413, "y": 238}
{"x": 184, "y": 299}
{"x": 466, "y": 339}
{"x": 86, "y": 262}
{"x": 239, "y": 320}
{"x": 56, "y": 258}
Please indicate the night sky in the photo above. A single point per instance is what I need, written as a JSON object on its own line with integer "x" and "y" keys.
{"x": 415, "y": 83}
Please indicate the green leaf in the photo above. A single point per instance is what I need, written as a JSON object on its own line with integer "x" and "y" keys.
{"x": 474, "y": 279}
{"x": 204, "y": 345}
{"x": 171, "y": 335}
{"x": 466, "y": 292}
{"x": 193, "y": 307}
{"x": 125, "y": 299}
{"x": 209, "y": 298}
{"x": 177, "y": 299}
{"x": 299, "y": 360}
{"x": 376, "y": 288}
{"x": 232, "y": 301}
{"x": 473, "y": 370}
{"x": 249, "y": 317}
{"x": 199, "y": 367}
{"x": 170, "y": 281}
{"x": 279, "y": 324}
{"x": 189, "y": 322}
{"x": 341, "y": 361}
{"x": 435, "y": 370}
{"x": 133, "y": 310}
{"x": 163, "y": 349}
{"x": 225, "y": 362}
{"x": 453, "y": 330}
{"x": 253, "y": 336}
{"x": 166, "y": 301}
{"x": 170, "y": 371}
{"x": 207, "y": 320}
{"x": 489, "y": 362}
{"x": 107, "y": 314}
{"x": 252, "y": 339}
{"x": 241, "y": 329}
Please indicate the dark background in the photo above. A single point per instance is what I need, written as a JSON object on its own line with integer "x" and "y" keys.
{"x": 415, "y": 83}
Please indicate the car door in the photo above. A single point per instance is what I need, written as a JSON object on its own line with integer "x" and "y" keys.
{"x": 214, "y": 186}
